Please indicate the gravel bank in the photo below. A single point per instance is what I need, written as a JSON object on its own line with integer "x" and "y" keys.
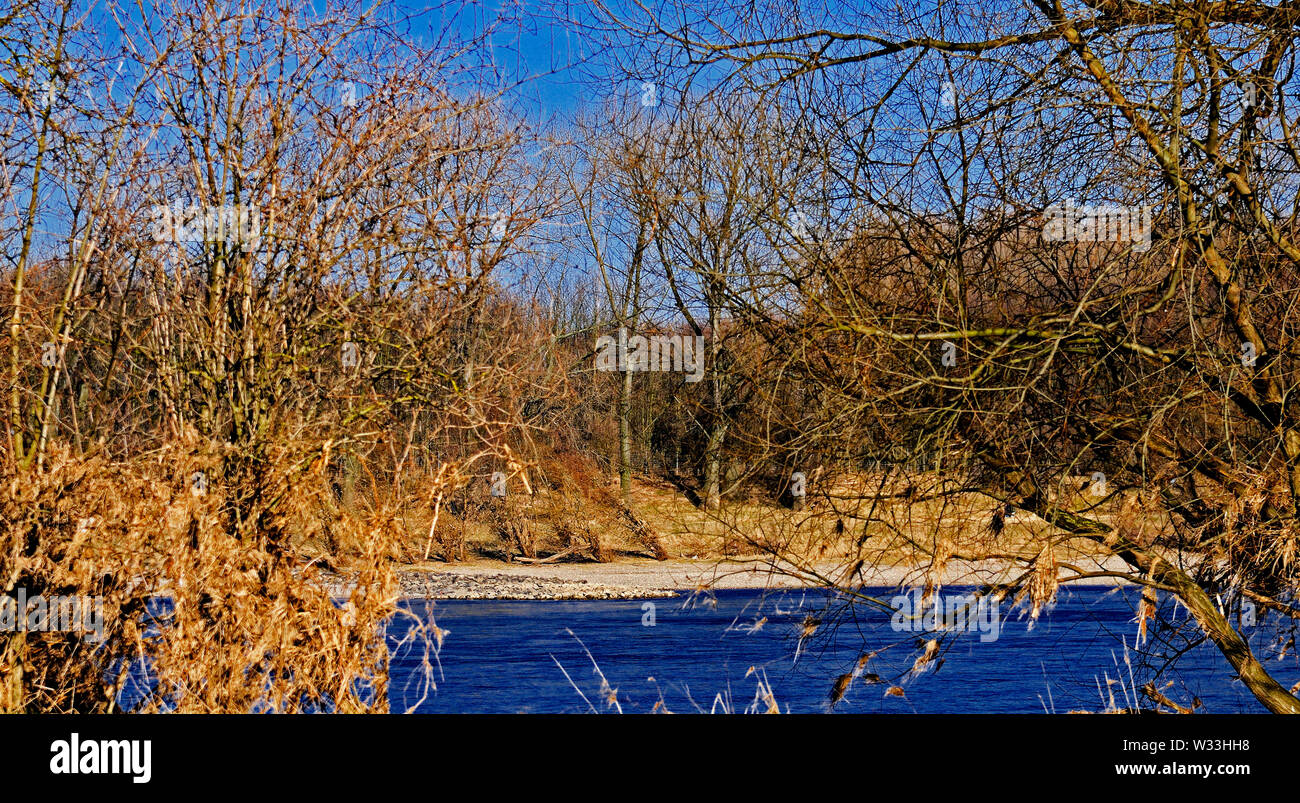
{"x": 635, "y": 579}
{"x": 498, "y": 585}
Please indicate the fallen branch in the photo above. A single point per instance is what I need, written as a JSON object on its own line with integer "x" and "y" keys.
{"x": 550, "y": 558}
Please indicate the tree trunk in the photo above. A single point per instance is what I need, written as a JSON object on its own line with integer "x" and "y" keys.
{"x": 625, "y": 436}
{"x": 1217, "y": 628}
{"x": 1273, "y": 695}
{"x": 713, "y": 466}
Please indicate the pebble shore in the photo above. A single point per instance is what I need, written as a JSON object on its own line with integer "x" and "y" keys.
{"x": 501, "y": 586}
{"x": 439, "y": 585}
{"x": 646, "y": 579}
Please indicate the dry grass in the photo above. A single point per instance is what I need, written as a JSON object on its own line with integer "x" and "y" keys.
{"x": 847, "y": 522}
{"x": 249, "y": 627}
{"x": 576, "y": 514}
{"x": 572, "y": 514}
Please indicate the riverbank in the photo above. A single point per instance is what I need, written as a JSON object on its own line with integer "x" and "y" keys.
{"x": 634, "y": 578}
{"x": 466, "y": 583}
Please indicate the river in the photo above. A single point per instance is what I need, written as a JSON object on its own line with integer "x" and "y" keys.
{"x": 735, "y": 650}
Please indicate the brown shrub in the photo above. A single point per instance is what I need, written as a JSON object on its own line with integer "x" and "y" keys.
{"x": 247, "y": 625}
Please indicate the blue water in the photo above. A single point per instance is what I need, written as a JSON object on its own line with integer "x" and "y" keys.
{"x": 704, "y": 654}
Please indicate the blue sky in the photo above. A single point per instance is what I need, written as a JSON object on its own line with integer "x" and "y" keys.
{"x": 535, "y": 49}
{"x": 530, "y": 45}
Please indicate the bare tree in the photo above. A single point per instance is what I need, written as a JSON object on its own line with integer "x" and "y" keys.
{"x": 1150, "y": 347}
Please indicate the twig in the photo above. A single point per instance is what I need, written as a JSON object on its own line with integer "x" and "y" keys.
{"x": 428, "y": 544}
